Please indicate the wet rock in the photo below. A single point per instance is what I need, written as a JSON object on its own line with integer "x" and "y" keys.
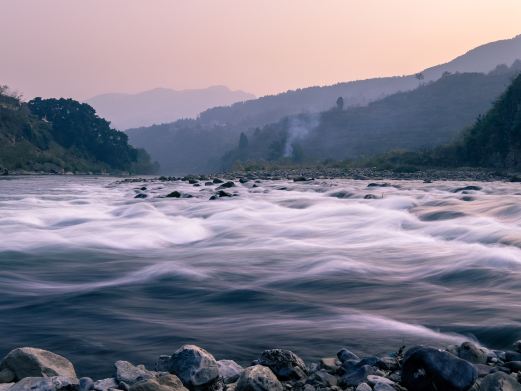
{"x": 130, "y": 374}
{"x": 226, "y": 185}
{"x": 163, "y": 363}
{"x": 370, "y": 197}
{"x": 329, "y": 364}
{"x": 7, "y": 376}
{"x": 512, "y": 356}
{"x": 105, "y": 384}
{"x": 466, "y": 188}
{"x": 217, "y": 180}
{"x": 387, "y": 363}
{"x": 86, "y": 384}
{"x": 345, "y": 354}
{"x": 472, "y": 353}
{"x": 194, "y": 366}
{"x": 163, "y": 382}
{"x": 229, "y": 370}
{"x": 374, "y": 379}
{"x": 429, "y": 369}
{"x": 356, "y": 375}
{"x": 517, "y": 346}
{"x": 174, "y": 194}
{"x": 484, "y": 370}
{"x": 514, "y": 366}
{"x": 499, "y": 381}
{"x": 141, "y": 195}
{"x": 258, "y": 378}
{"x": 54, "y": 383}
{"x": 285, "y": 364}
{"x": 363, "y": 387}
{"x": 324, "y": 378}
{"x": 373, "y": 184}
{"x": 32, "y": 362}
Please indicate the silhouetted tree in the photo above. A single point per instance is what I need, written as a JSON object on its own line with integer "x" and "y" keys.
{"x": 340, "y": 103}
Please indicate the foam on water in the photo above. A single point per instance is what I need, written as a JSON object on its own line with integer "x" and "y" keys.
{"x": 87, "y": 270}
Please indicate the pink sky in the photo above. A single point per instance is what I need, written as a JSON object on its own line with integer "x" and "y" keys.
{"x": 83, "y": 48}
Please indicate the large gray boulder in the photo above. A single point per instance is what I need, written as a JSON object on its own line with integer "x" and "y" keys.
{"x": 130, "y": 374}
{"x": 33, "y": 362}
{"x": 163, "y": 382}
{"x": 55, "y": 383}
{"x": 258, "y": 378}
{"x": 430, "y": 369}
{"x": 194, "y": 366}
{"x": 285, "y": 364}
{"x": 499, "y": 381}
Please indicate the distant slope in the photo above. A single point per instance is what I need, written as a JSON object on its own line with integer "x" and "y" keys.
{"x": 161, "y": 105}
{"x": 186, "y": 146}
{"x": 62, "y": 135}
{"x": 428, "y": 116}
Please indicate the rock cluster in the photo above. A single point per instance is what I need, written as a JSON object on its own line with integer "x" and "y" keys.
{"x": 465, "y": 367}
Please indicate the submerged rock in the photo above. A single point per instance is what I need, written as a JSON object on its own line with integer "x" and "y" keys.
{"x": 33, "y": 362}
{"x": 194, "y": 366}
{"x": 258, "y": 378}
{"x": 285, "y": 364}
{"x": 429, "y": 369}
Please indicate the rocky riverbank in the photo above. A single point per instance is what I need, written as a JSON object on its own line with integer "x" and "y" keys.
{"x": 418, "y": 368}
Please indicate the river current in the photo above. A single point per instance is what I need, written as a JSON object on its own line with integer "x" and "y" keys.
{"x": 92, "y": 273}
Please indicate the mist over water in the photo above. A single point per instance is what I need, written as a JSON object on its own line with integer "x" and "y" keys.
{"x": 89, "y": 272}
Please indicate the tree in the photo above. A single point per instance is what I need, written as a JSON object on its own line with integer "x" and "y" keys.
{"x": 243, "y": 142}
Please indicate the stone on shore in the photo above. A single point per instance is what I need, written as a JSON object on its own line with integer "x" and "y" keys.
{"x": 258, "y": 378}
{"x": 345, "y": 354}
{"x": 499, "y": 381}
{"x": 54, "y": 383}
{"x": 229, "y": 370}
{"x": 163, "y": 382}
{"x": 6, "y": 386}
{"x": 285, "y": 364}
{"x": 105, "y": 384}
{"x": 472, "y": 353}
{"x": 194, "y": 366}
{"x": 33, "y": 362}
{"x": 130, "y": 374}
{"x": 429, "y": 369}
{"x": 6, "y": 376}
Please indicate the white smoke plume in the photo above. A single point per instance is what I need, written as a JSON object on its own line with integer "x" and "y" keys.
{"x": 299, "y": 128}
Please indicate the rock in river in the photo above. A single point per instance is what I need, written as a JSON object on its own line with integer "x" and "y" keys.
{"x": 194, "y": 366}
{"x": 285, "y": 364}
{"x": 258, "y": 378}
{"x": 32, "y": 362}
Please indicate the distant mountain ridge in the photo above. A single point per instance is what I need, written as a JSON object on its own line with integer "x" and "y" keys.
{"x": 161, "y": 105}
{"x": 192, "y": 146}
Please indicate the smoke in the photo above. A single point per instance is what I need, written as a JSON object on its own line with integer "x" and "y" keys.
{"x": 299, "y": 128}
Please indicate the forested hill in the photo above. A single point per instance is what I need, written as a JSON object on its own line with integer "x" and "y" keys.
{"x": 62, "y": 135}
{"x": 431, "y": 115}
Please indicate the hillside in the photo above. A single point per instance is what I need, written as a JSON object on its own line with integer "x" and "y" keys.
{"x": 197, "y": 145}
{"x": 56, "y": 136}
{"x": 161, "y": 105}
{"x": 428, "y": 116}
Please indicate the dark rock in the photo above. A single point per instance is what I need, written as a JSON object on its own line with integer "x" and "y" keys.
{"x": 387, "y": 363}
{"x": 32, "y": 362}
{"x": 466, "y": 188}
{"x": 258, "y": 378}
{"x": 174, "y": 194}
{"x": 244, "y": 180}
{"x": 229, "y": 370}
{"x": 356, "y": 376}
{"x": 301, "y": 179}
{"x": 141, "y": 195}
{"x": 512, "y": 356}
{"x": 370, "y": 197}
{"x": 226, "y": 185}
{"x": 222, "y": 193}
{"x": 517, "y": 346}
{"x": 217, "y": 180}
{"x": 429, "y": 369}
{"x": 345, "y": 354}
{"x": 385, "y": 184}
{"x": 208, "y": 183}
{"x": 483, "y": 370}
{"x": 194, "y": 366}
{"x": 363, "y": 387}
{"x": 193, "y": 181}
{"x": 324, "y": 378}
{"x": 499, "y": 381}
{"x": 7, "y": 376}
{"x": 285, "y": 364}
{"x": 162, "y": 363}
{"x": 514, "y": 366}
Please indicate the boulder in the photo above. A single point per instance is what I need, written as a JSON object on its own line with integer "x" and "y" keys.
{"x": 194, "y": 366}
{"x": 163, "y": 382}
{"x": 32, "y": 362}
{"x": 229, "y": 370}
{"x": 356, "y": 375}
{"x": 345, "y": 354}
{"x": 6, "y": 376}
{"x": 430, "y": 369}
{"x": 472, "y": 353}
{"x": 174, "y": 194}
{"x": 285, "y": 364}
{"x": 329, "y": 364}
{"x": 86, "y": 384}
{"x": 54, "y": 383}
{"x": 130, "y": 374}
{"x": 499, "y": 381}
{"x": 226, "y": 185}
{"x": 363, "y": 387}
{"x": 258, "y": 378}
{"x": 105, "y": 384}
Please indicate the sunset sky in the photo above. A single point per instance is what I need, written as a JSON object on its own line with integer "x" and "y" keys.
{"x": 83, "y": 48}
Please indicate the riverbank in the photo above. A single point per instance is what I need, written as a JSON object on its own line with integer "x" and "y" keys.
{"x": 418, "y": 368}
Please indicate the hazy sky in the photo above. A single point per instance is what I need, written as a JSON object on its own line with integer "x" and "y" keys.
{"x": 81, "y": 48}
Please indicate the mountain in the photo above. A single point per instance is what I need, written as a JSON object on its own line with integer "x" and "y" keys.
{"x": 198, "y": 145}
{"x": 62, "y": 135}
{"x": 430, "y": 115}
{"x": 161, "y": 105}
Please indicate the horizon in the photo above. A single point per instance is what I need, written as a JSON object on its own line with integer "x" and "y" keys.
{"x": 280, "y": 47}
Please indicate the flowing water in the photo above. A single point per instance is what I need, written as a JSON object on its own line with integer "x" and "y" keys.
{"x": 90, "y": 272}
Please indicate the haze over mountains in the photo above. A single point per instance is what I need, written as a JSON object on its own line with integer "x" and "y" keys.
{"x": 198, "y": 145}
{"x": 161, "y": 105}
